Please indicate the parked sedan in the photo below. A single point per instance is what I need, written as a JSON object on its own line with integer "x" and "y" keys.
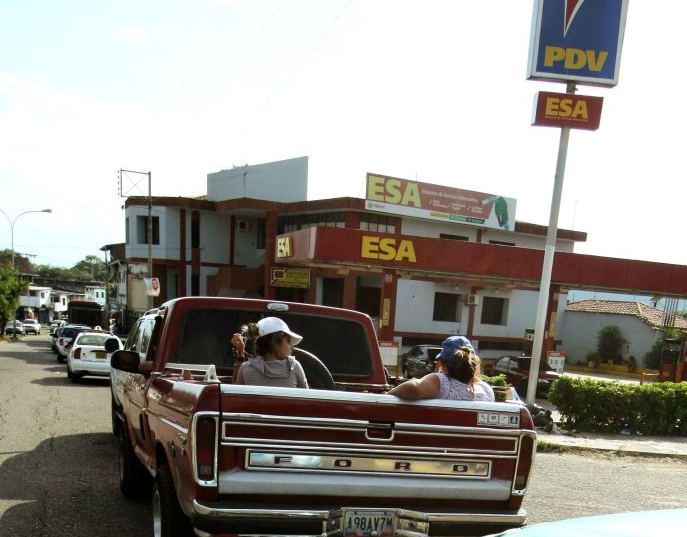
{"x": 634, "y": 524}
{"x": 65, "y": 336}
{"x": 517, "y": 372}
{"x": 54, "y": 325}
{"x": 15, "y": 328}
{"x": 32, "y": 326}
{"x": 419, "y": 360}
{"x": 88, "y": 355}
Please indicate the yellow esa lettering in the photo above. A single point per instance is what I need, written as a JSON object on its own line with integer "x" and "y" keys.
{"x": 566, "y": 108}
{"x": 392, "y": 191}
{"x": 386, "y": 249}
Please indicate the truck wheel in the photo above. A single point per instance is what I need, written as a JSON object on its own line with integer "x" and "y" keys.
{"x": 168, "y": 518}
{"x": 316, "y": 372}
{"x": 134, "y": 480}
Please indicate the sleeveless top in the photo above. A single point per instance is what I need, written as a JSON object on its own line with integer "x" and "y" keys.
{"x": 450, "y": 388}
{"x": 287, "y": 373}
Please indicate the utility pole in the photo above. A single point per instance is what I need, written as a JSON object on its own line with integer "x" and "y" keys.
{"x": 149, "y": 222}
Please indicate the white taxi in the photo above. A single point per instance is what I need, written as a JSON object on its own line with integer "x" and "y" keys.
{"x": 88, "y": 355}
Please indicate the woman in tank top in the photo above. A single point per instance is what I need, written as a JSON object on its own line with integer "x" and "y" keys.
{"x": 458, "y": 378}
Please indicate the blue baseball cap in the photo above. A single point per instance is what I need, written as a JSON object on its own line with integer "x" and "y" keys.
{"x": 451, "y": 345}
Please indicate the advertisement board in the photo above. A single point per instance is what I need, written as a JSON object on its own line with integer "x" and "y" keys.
{"x": 577, "y": 41}
{"x": 291, "y": 277}
{"x": 434, "y": 202}
{"x": 152, "y": 286}
{"x": 565, "y": 110}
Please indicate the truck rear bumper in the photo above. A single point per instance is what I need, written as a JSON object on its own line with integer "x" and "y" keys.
{"x": 214, "y": 518}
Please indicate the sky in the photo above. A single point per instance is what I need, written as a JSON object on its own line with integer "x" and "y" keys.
{"x": 428, "y": 90}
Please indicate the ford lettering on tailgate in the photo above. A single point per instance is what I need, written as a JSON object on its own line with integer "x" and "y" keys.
{"x": 282, "y": 460}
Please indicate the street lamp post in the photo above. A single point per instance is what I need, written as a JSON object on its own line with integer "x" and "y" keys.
{"x": 12, "y": 222}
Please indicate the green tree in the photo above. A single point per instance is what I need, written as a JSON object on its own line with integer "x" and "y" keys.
{"x": 92, "y": 268}
{"x": 609, "y": 342}
{"x": 11, "y": 288}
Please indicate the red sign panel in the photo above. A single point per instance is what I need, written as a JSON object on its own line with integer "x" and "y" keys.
{"x": 567, "y": 110}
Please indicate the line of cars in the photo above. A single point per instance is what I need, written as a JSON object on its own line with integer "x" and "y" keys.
{"x": 84, "y": 349}
{"x": 22, "y": 328}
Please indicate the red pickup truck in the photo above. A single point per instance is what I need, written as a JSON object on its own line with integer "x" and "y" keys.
{"x": 340, "y": 459}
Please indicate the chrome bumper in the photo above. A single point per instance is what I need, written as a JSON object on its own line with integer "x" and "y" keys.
{"x": 209, "y": 519}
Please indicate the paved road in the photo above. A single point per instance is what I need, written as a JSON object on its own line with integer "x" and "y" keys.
{"x": 58, "y": 461}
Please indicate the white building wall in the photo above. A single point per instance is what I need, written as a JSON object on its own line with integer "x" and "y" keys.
{"x": 579, "y": 333}
{"x": 433, "y": 229}
{"x": 166, "y": 216}
{"x": 246, "y": 252}
{"x": 415, "y": 308}
{"x": 215, "y": 229}
{"x": 286, "y": 180}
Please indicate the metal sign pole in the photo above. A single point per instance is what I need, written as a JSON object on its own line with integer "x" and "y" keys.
{"x": 542, "y": 304}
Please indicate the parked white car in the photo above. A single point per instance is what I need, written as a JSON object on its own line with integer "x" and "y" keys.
{"x": 32, "y": 326}
{"x": 88, "y": 356}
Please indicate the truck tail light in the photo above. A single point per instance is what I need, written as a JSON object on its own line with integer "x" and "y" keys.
{"x": 525, "y": 461}
{"x": 206, "y": 447}
{"x": 77, "y": 353}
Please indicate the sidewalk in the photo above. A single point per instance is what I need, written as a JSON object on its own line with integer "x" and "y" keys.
{"x": 626, "y": 443}
{"x": 630, "y": 443}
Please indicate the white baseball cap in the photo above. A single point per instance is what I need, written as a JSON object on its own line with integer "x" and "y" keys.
{"x": 270, "y": 325}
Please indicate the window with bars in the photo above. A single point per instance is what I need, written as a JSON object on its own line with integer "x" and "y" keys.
{"x": 377, "y": 222}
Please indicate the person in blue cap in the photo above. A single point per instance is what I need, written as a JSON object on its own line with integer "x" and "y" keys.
{"x": 458, "y": 378}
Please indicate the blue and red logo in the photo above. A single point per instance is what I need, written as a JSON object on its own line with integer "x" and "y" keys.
{"x": 577, "y": 40}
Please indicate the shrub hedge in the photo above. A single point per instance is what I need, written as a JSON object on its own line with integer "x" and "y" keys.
{"x": 592, "y": 405}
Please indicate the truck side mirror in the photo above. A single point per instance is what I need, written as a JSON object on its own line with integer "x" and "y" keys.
{"x": 125, "y": 361}
{"x": 111, "y": 344}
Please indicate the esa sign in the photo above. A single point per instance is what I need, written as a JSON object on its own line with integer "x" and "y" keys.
{"x": 577, "y": 41}
{"x": 566, "y": 110}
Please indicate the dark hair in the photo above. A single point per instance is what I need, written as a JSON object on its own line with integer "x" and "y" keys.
{"x": 465, "y": 367}
{"x": 266, "y": 344}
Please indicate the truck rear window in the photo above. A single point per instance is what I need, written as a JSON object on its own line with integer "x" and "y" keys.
{"x": 341, "y": 344}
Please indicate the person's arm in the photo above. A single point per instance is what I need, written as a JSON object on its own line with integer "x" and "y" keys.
{"x": 301, "y": 380}
{"x": 241, "y": 355}
{"x": 425, "y": 388}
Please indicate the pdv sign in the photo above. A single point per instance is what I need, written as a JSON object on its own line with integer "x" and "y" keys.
{"x": 577, "y": 41}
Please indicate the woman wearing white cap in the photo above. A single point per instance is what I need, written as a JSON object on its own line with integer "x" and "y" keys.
{"x": 273, "y": 364}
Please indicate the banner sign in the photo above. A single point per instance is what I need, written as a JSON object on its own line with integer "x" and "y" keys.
{"x": 291, "y": 277}
{"x": 412, "y": 198}
{"x": 577, "y": 41}
{"x": 152, "y": 286}
{"x": 567, "y": 110}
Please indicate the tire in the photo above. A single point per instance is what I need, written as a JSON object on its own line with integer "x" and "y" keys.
{"x": 319, "y": 377}
{"x": 60, "y": 358}
{"x": 76, "y": 377}
{"x": 135, "y": 482}
{"x": 168, "y": 518}
{"x": 116, "y": 422}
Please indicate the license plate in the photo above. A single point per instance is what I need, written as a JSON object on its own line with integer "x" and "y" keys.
{"x": 100, "y": 354}
{"x": 363, "y": 523}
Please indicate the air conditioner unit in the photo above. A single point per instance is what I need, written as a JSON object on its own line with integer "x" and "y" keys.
{"x": 243, "y": 225}
{"x": 472, "y": 300}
